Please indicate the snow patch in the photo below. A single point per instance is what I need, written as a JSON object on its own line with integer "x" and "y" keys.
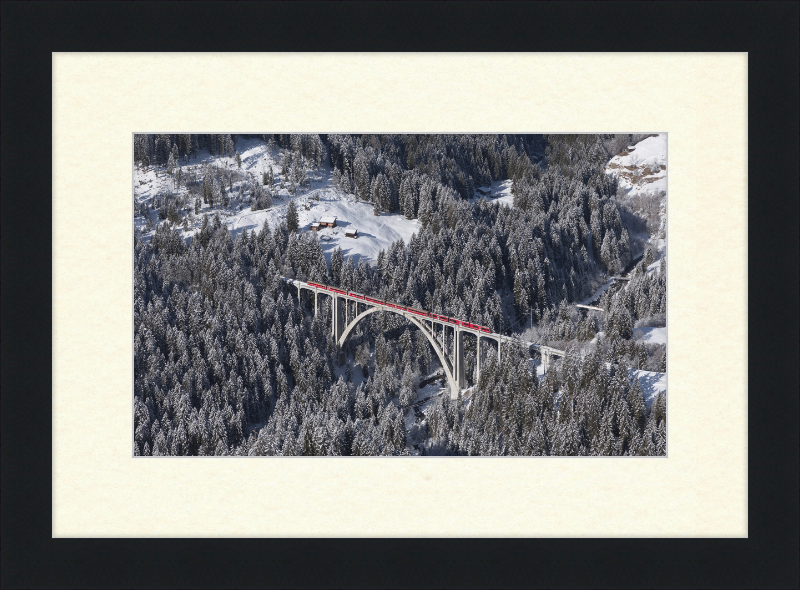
{"x": 320, "y": 199}
{"x": 651, "y": 382}
{"x": 497, "y": 192}
{"x": 651, "y": 335}
{"x": 643, "y": 169}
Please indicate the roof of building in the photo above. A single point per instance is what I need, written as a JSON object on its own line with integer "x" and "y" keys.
{"x": 328, "y": 219}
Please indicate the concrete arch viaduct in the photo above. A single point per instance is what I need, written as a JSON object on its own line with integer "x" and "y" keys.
{"x": 450, "y": 357}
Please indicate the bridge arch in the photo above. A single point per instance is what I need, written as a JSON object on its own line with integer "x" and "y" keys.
{"x": 439, "y": 352}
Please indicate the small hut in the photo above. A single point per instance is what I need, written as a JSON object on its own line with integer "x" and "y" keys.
{"x": 328, "y": 221}
{"x": 315, "y": 226}
{"x": 351, "y": 233}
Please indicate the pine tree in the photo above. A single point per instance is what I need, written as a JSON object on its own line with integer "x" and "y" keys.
{"x": 292, "y": 222}
{"x": 361, "y": 178}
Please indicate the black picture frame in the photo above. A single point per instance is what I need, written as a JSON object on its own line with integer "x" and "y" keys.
{"x": 766, "y": 30}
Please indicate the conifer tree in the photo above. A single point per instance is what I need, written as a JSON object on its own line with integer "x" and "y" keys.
{"x": 291, "y": 217}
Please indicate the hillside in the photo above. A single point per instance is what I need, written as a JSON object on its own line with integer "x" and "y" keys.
{"x": 643, "y": 169}
{"x": 317, "y": 199}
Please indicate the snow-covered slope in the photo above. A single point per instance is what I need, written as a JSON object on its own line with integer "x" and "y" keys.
{"x": 642, "y": 176}
{"x": 652, "y": 384}
{"x": 498, "y": 192}
{"x": 644, "y": 168}
{"x": 320, "y": 196}
{"x": 375, "y": 233}
{"x": 651, "y": 335}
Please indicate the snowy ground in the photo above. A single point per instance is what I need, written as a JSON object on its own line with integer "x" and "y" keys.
{"x": 645, "y": 168}
{"x": 536, "y": 365}
{"x": 498, "y": 192}
{"x": 651, "y": 335}
{"x": 652, "y": 384}
{"x": 374, "y": 232}
{"x": 356, "y": 375}
{"x": 426, "y": 397}
{"x": 598, "y": 292}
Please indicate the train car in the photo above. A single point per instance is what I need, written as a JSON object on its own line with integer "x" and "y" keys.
{"x": 375, "y": 301}
{"x": 357, "y": 295}
{"x": 485, "y": 329}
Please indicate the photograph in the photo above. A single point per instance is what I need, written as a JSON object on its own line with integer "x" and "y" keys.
{"x": 369, "y": 294}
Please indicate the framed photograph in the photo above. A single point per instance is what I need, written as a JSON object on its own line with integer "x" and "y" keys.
{"x": 260, "y": 260}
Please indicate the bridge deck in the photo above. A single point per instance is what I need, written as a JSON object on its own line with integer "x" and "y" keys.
{"x": 398, "y": 309}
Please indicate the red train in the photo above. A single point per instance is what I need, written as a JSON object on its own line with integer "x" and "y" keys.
{"x": 419, "y": 312}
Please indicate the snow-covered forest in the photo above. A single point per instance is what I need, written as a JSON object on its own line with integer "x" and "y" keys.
{"x": 506, "y": 231}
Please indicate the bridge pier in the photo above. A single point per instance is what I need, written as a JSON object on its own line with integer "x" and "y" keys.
{"x": 459, "y": 359}
{"x": 478, "y": 356}
{"x": 337, "y": 326}
{"x": 333, "y": 316}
